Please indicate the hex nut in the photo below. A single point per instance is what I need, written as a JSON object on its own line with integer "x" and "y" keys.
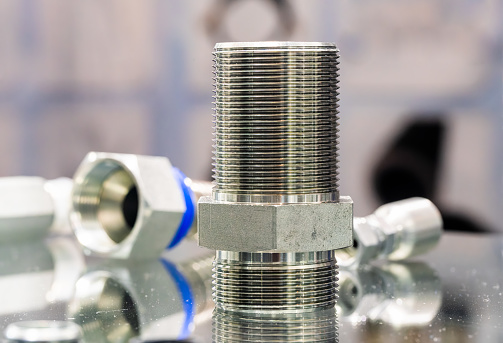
{"x": 249, "y": 227}
{"x": 368, "y": 245}
{"x": 126, "y": 206}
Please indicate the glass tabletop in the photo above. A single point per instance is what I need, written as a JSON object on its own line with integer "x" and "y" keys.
{"x": 452, "y": 294}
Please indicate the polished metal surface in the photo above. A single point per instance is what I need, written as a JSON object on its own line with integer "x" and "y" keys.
{"x": 372, "y": 293}
{"x": 275, "y": 203}
{"x": 394, "y": 231}
{"x": 319, "y": 326}
{"x": 450, "y": 294}
{"x": 276, "y": 122}
{"x": 274, "y": 282}
{"x": 43, "y": 331}
{"x": 126, "y": 206}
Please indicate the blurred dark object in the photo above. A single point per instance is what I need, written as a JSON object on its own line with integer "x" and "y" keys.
{"x": 411, "y": 165}
{"x": 409, "y": 168}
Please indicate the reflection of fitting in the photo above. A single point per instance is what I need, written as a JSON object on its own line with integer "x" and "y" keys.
{"x": 152, "y": 300}
{"x": 43, "y": 331}
{"x": 394, "y": 231}
{"x": 52, "y": 266}
{"x": 316, "y": 326}
{"x": 275, "y": 215}
{"x": 131, "y": 206}
{"x": 30, "y": 207}
{"x": 399, "y": 294}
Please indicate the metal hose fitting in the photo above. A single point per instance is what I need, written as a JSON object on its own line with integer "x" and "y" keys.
{"x": 275, "y": 215}
{"x": 395, "y": 231}
{"x": 132, "y": 206}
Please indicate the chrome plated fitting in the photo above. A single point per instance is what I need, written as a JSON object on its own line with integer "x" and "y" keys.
{"x": 316, "y": 326}
{"x": 131, "y": 206}
{"x": 395, "y": 231}
{"x": 32, "y": 207}
{"x": 275, "y": 216}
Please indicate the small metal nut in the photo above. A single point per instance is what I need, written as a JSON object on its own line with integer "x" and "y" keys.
{"x": 126, "y": 206}
{"x": 249, "y": 227}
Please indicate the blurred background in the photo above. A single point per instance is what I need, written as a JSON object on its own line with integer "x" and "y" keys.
{"x": 421, "y": 89}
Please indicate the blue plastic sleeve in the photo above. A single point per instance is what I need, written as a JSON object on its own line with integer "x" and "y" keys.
{"x": 190, "y": 204}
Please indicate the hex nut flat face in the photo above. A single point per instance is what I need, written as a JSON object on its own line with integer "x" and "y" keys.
{"x": 105, "y": 185}
{"x": 261, "y": 227}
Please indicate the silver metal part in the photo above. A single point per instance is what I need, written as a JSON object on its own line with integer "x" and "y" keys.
{"x": 126, "y": 206}
{"x": 118, "y": 301}
{"x": 274, "y": 282}
{"x": 31, "y": 207}
{"x": 275, "y": 208}
{"x": 287, "y": 228}
{"x": 43, "y": 331}
{"x": 317, "y": 326}
{"x": 394, "y": 231}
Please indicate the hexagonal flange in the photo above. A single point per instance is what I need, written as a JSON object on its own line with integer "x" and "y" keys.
{"x": 251, "y": 227}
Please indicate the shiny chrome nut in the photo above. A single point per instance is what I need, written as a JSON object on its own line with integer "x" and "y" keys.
{"x": 126, "y": 206}
{"x": 261, "y": 227}
{"x": 395, "y": 231}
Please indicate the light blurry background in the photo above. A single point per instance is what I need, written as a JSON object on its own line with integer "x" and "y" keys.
{"x": 421, "y": 89}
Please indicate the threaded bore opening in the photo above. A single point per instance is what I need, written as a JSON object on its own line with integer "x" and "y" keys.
{"x": 107, "y": 204}
{"x": 275, "y": 122}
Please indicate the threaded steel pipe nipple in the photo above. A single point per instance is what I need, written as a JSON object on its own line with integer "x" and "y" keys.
{"x": 275, "y": 215}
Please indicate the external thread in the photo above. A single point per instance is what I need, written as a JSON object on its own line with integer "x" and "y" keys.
{"x": 284, "y": 282}
{"x": 275, "y": 122}
{"x": 318, "y": 326}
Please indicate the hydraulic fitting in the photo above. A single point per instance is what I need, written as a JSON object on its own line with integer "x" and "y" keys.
{"x": 315, "y": 326}
{"x": 275, "y": 216}
{"x": 131, "y": 206}
{"x": 31, "y": 207}
{"x": 394, "y": 231}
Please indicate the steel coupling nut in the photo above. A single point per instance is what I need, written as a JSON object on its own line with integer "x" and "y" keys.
{"x": 128, "y": 206}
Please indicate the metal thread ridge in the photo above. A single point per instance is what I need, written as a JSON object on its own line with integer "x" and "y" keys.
{"x": 317, "y": 326}
{"x": 285, "y": 283}
{"x": 275, "y": 122}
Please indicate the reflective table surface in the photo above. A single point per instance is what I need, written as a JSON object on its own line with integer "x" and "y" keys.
{"x": 452, "y": 294}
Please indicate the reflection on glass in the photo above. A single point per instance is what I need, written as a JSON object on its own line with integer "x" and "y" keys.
{"x": 149, "y": 300}
{"x": 50, "y": 266}
{"x": 399, "y": 294}
{"x": 315, "y": 326}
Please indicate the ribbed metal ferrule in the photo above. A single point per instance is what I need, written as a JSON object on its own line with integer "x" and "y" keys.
{"x": 275, "y": 122}
{"x": 269, "y": 282}
{"x": 317, "y": 326}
